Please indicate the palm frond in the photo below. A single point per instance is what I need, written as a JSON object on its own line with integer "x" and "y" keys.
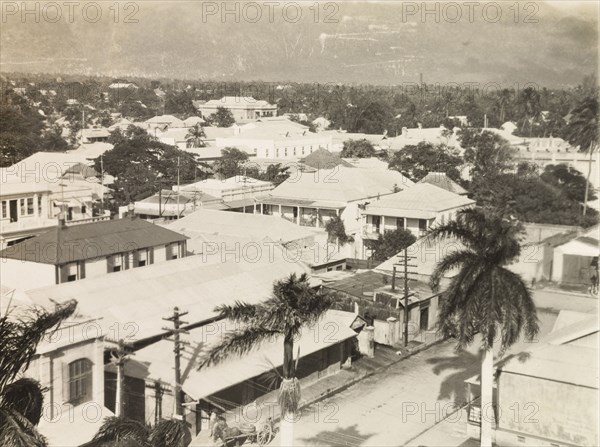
{"x": 25, "y": 397}
{"x": 19, "y": 339}
{"x": 17, "y": 431}
{"x": 237, "y": 343}
{"x": 240, "y": 311}
{"x": 170, "y": 433}
{"x": 116, "y": 430}
{"x": 449, "y": 262}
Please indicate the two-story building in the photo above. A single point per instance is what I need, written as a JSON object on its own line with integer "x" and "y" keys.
{"x": 312, "y": 198}
{"x": 242, "y": 107}
{"x": 275, "y": 138}
{"x": 71, "y": 252}
{"x": 415, "y": 209}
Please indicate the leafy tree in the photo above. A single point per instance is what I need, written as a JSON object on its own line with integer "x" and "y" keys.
{"x": 180, "y": 103}
{"x": 293, "y": 305}
{"x": 142, "y": 165}
{"x": 195, "y": 136}
{"x": 582, "y": 131}
{"x": 20, "y": 130}
{"x": 415, "y": 162}
{"x": 52, "y": 140}
{"x": 487, "y": 152}
{"x": 389, "y": 244}
{"x": 485, "y": 297}
{"x": 569, "y": 180}
{"x": 21, "y": 400}
{"x": 231, "y": 163}
{"x": 357, "y": 149}
{"x": 528, "y": 198}
{"x": 221, "y": 118}
{"x": 336, "y": 231}
{"x": 274, "y": 173}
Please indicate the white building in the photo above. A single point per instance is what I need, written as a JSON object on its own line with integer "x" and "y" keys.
{"x": 242, "y": 107}
{"x": 415, "y": 209}
{"x": 278, "y": 139}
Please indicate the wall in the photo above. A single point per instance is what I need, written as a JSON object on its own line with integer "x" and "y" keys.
{"x": 29, "y": 275}
{"x": 95, "y": 267}
{"x": 565, "y": 413}
{"x": 52, "y": 371}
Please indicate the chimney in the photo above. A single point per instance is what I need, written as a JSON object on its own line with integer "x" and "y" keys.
{"x": 130, "y": 210}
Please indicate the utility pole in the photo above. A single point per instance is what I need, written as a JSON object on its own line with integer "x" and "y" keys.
{"x": 119, "y": 357}
{"x": 102, "y": 180}
{"x": 177, "y": 349}
{"x": 404, "y": 265}
{"x": 178, "y": 190}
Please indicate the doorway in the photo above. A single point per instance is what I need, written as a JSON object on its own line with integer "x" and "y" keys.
{"x": 14, "y": 214}
{"x": 424, "y": 319}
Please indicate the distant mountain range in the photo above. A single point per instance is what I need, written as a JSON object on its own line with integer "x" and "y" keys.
{"x": 378, "y": 43}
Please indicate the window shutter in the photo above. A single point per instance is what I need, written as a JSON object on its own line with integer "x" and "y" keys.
{"x": 65, "y": 382}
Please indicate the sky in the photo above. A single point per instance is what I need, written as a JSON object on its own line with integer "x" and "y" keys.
{"x": 506, "y": 43}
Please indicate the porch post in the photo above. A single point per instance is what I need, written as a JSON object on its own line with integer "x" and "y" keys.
{"x": 318, "y": 226}
{"x": 298, "y": 216}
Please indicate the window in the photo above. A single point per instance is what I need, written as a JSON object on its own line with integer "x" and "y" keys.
{"x": 39, "y": 205}
{"x": 267, "y": 153}
{"x": 4, "y": 209}
{"x": 422, "y": 224}
{"x": 399, "y": 223}
{"x": 30, "y": 209}
{"x": 22, "y": 205}
{"x": 80, "y": 381}
{"x": 83, "y": 209}
{"x": 285, "y": 152}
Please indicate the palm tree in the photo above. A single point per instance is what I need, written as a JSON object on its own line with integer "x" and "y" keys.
{"x": 484, "y": 297}
{"x": 119, "y": 432}
{"x": 195, "y": 136}
{"x": 21, "y": 400}
{"x": 293, "y": 304}
{"x": 582, "y": 131}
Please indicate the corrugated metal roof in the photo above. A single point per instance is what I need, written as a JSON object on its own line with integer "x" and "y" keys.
{"x": 142, "y": 297}
{"x": 61, "y": 245}
{"x": 332, "y": 328}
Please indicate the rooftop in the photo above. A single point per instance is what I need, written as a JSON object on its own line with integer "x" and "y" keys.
{"x": 236, "y": 102}
{"x": 64, "y": 244}
{"x": 441, "y": 180}
{"x": 340, "y": 185}
{"x": 195, "y": 283}
{"x": 253, "y": 226}
{"x": 234, "y": 370}
{"x": 323, "y": 159}
{"x": 422, "y": 200}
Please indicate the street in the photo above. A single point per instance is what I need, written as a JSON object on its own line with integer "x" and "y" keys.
{"x": 397, "y": 405}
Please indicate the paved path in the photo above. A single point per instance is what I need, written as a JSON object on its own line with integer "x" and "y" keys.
{"x": 394, "y": 407}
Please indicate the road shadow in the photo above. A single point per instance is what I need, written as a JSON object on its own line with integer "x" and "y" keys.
{"x": 466, "y": 364}
{"x": 340, "y": 437}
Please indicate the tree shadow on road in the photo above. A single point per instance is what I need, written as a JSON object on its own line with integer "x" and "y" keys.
{"x": 340, "y": 437}
{"x": 466, "y": 365}
{"x": 453, "y": 387}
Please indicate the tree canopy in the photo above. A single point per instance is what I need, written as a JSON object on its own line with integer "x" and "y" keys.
{"x": 357, "y": 149}
{"x": 221, "y": 118}
{"x": 415, "y": 162}
{"x": 390, "y": 244}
